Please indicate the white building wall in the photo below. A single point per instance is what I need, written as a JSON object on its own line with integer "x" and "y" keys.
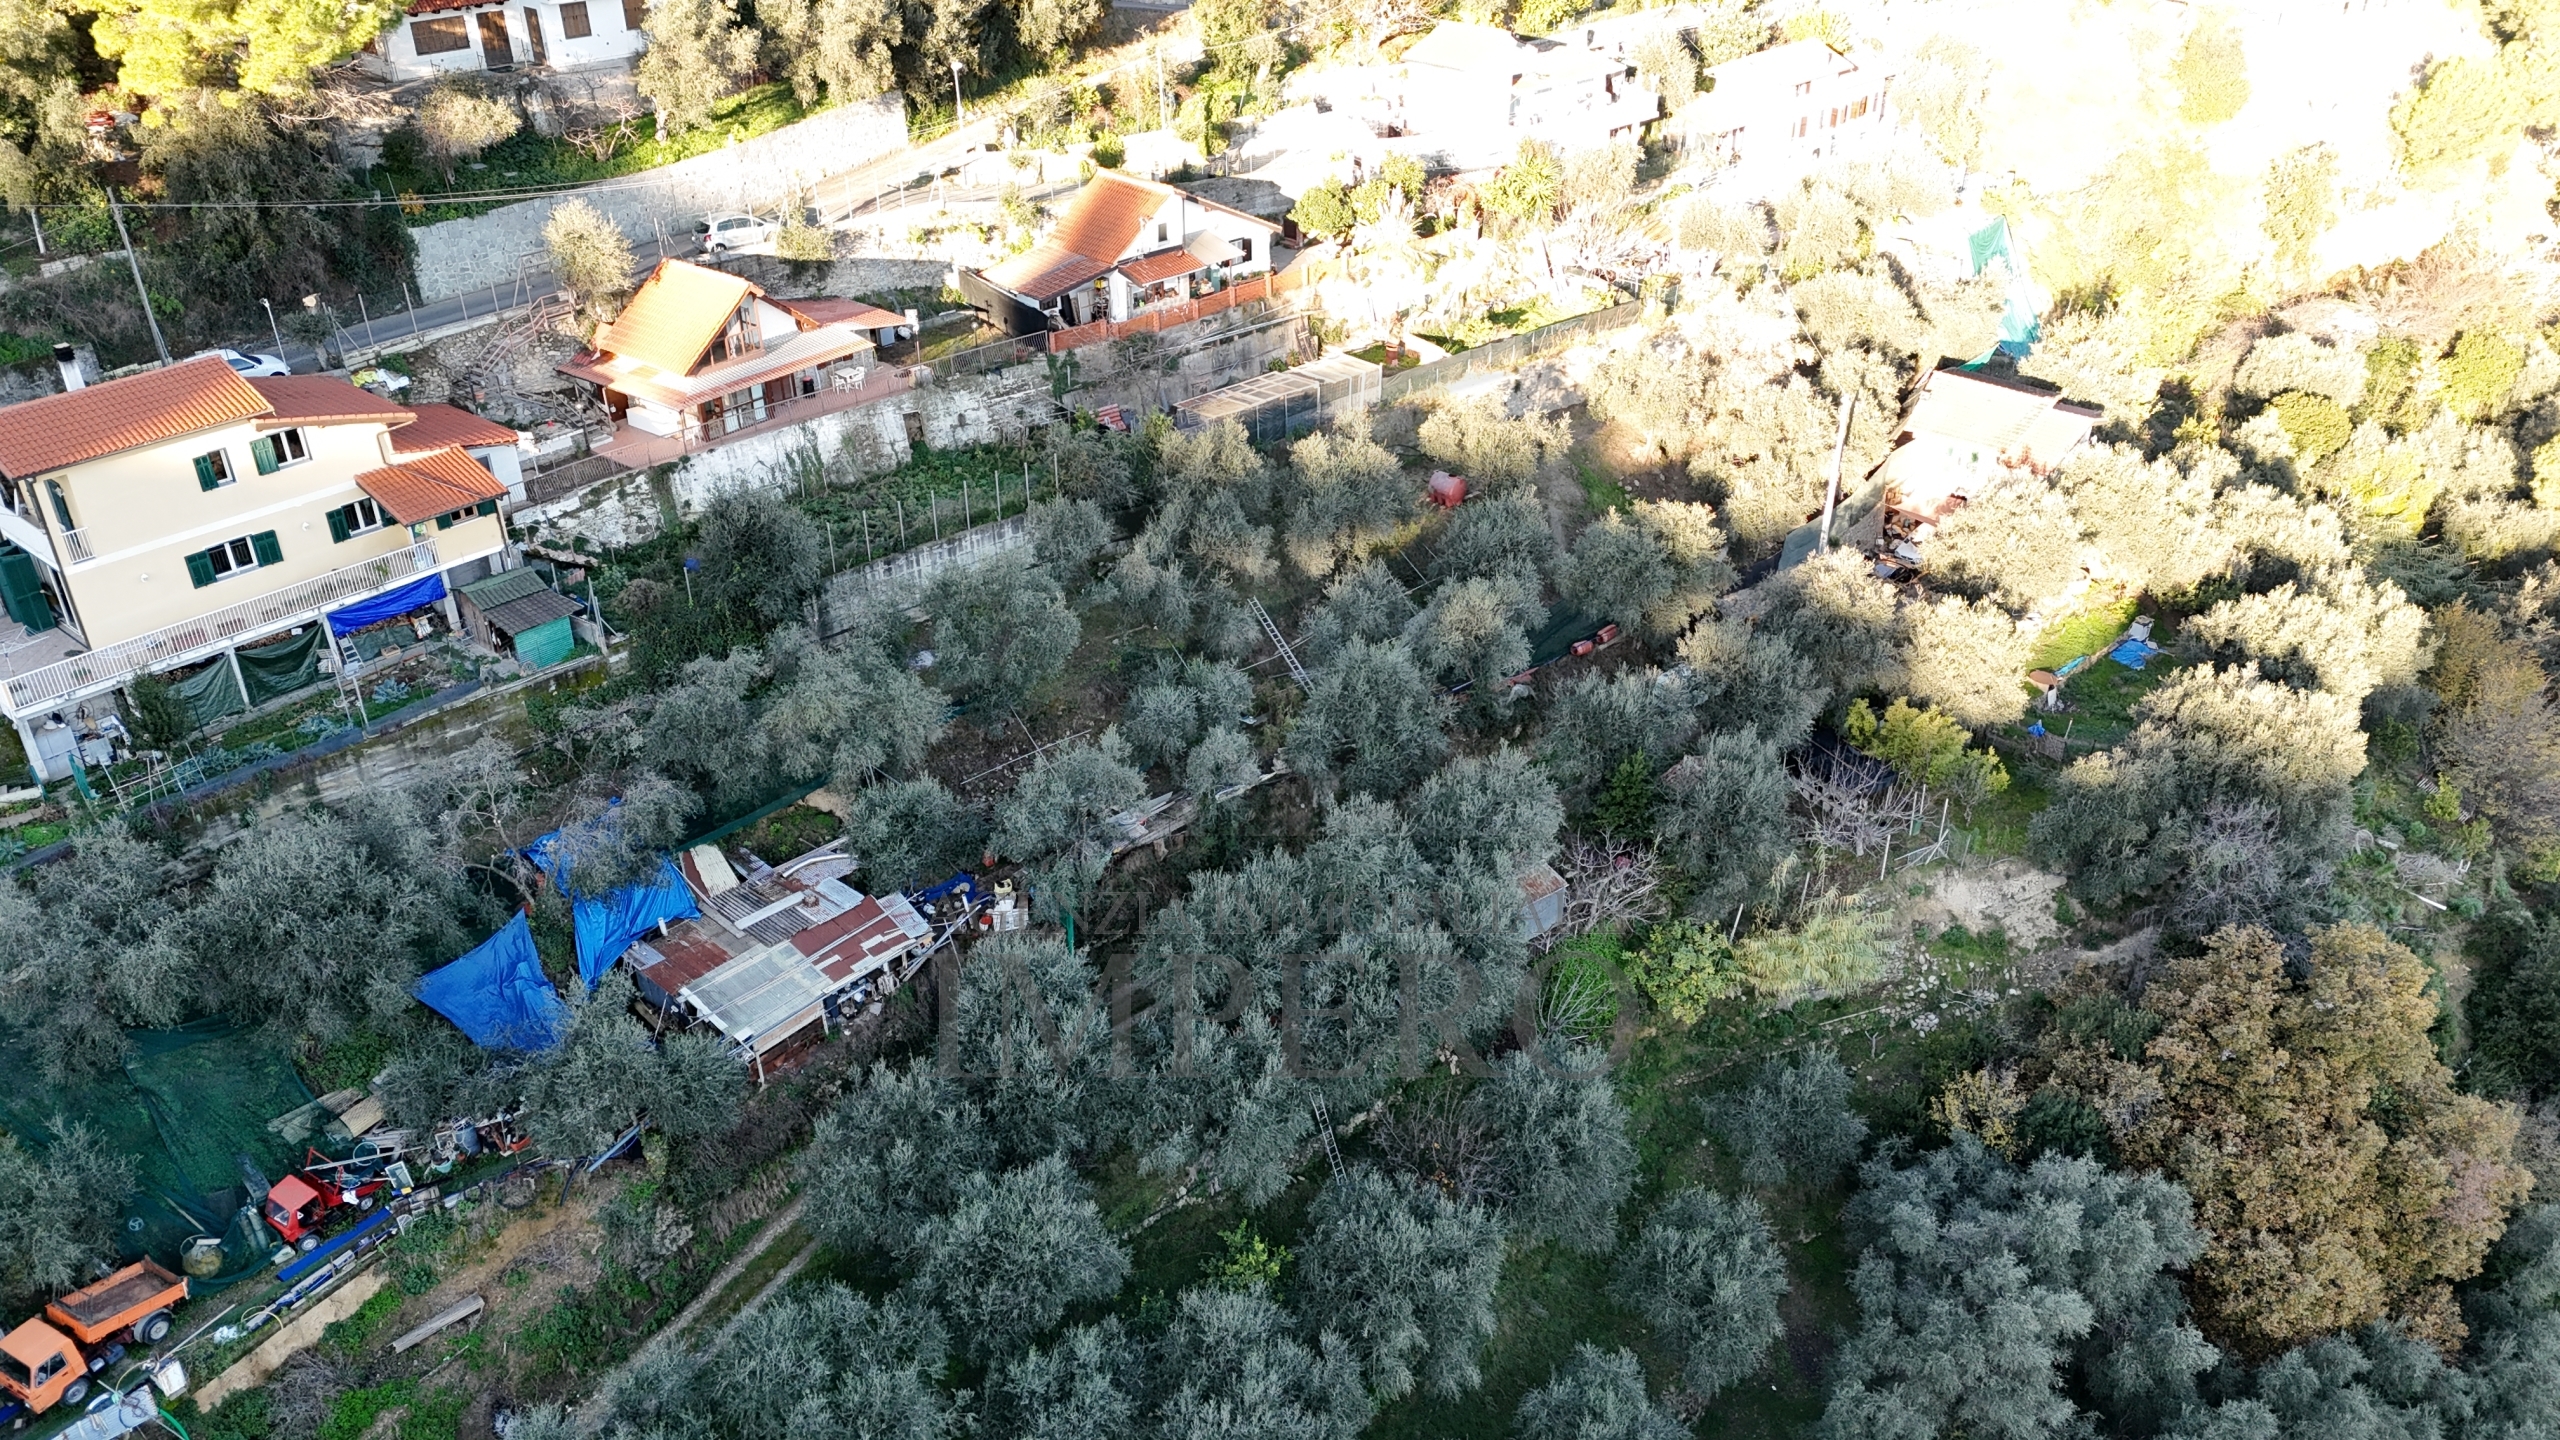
{"x": 609, "y": 40}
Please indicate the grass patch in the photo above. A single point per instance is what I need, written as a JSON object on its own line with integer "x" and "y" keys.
{"x": 1535, "y": 313}
{"x": 792, "y": 830}
{"x": 752, "y": 1278}
{"x": 529, "y": 158}
{"x": 1600, "y": 488}
{"x": 2102, "y": 697}
{"x": 431, "y": 1415}
{"x": 2081, "y": 633}
{"x": 884, "y": 514}
{"x": 353, "y": 1333}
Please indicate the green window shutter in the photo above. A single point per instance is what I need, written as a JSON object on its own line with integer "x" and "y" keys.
{"x": 200, "y": 569}
{"x": 489, "y": 506}
{"x": 338, "y": 526}
{"x": 444, "y": 522}
{"x": 207, "y": 478}
{"x": 264, "y": 542}
{"x": 263, "y": 451}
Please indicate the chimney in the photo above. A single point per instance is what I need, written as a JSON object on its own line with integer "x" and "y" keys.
{"x": 69, "y": 364}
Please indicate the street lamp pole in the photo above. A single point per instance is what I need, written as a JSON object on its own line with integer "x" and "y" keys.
{"x": 273, "y": 328}
{"x": 957, "y": 113}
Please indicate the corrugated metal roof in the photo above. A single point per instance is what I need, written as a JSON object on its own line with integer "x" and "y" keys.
{"x": 504, "y": 586}
{"x": 539, "y": 608}
{"x": 118, "y": 415}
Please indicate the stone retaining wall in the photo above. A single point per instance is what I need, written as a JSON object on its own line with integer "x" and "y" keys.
{"x": 455, "y": 256}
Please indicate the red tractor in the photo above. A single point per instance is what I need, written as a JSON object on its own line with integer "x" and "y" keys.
{"x": 298, "y": 1206}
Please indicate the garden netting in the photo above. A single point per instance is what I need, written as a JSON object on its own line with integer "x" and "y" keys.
{"x": 188, "y": 1103}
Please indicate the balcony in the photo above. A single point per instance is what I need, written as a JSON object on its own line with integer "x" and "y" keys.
{"x": 210, "y": 633}
{"x": 76, "y": 545}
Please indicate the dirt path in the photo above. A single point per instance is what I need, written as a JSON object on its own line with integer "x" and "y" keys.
{"x": 776, "y": 1225}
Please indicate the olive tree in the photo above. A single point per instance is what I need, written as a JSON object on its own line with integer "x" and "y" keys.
{"x": 94, "y": 945}
{"x": 1407, "y": 1275}
{"x": 762, "y": 560}
{"x": 1793, "y": 1124}
{"x": 1058, "y": 820}
{"x": 1014, "y": 1253}
{"x": 1001, "y": 630}
{"x": 1562, "y": 1135}
{"x": 1228, "y": 1367}
{"x": 1707, "y": 1275}
{"x": 1368, "y": 603}
{"x": 1596, "y": 1395}
{"x": 1654, "y": 569}
{"x": 59, "y": 1205}
{"x": 912, "y": 832}
{"x": 1976, "y": 1280}
{"x": 607, "y": 1074}
{"x": 1724, "y": 817}
{"x": 892, "y": 1154}
{"x": 1371, "y": 723}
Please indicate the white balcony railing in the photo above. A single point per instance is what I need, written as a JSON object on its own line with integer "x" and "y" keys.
{"x": 77, "y": 543}
{"x": 210, "y": 632}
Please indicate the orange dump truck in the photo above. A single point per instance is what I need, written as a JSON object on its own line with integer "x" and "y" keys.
{"x": 48, "y": 1360}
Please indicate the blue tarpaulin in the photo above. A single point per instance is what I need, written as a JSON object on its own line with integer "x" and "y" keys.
{"x": 2131, "y": 653}
{"x": 387, "y": 604}
{"x": 606, "y": 925}
{"x": 497, "y": 994}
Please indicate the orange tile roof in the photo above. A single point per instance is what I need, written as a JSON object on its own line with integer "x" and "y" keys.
{"x": 674, "y": 316}
{"x": 825, "y": 310}
{"x": 318, "y": 399}
{"x": 117, "y": 415}
{"x": 1099, "y": 224}
{"x": 437, "y": 426}
{"x": 1164, "y": 265}
{"x": 426, "y": 486}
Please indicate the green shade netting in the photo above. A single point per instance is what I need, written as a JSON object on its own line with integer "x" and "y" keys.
{"x": 209, "y": 694}
{"x": 188, "y": 1103}
{"x": 282, "y": 668}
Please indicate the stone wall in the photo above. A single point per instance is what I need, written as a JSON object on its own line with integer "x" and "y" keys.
{"x": 846, "y": 444}
{"x": 455, "y": 256}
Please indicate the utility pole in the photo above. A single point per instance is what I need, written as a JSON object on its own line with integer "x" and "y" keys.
{"x": 159, "y": 342}
{"x": 1839, "y": 452}
{"x": 959, "y": 113}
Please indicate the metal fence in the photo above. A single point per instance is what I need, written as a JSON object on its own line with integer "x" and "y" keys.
{"x": 1507, "y": 352}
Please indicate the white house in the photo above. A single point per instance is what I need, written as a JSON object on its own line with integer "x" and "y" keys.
{"x": 1124, "y": 244}
{"x": 1474, "y": 92}
{"x": 1771, "y": 116}
{"x": 443, "y": 37}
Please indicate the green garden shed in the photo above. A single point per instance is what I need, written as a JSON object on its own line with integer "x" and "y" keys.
{"x": 515, "y": 611}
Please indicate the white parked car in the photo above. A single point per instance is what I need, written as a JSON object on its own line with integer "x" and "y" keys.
{"x": 255, "y": 367}
{"x": 721, "y": 234}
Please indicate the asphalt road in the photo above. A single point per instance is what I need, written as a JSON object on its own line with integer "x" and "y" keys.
{"x": 874, "y": 186}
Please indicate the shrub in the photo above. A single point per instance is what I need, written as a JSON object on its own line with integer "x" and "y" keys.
{"x": 2317, "y": 425}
